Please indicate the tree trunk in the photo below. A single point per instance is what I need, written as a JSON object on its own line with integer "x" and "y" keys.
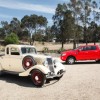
{"x": 62, "y": 45}
{"x": 85, "y": 36}
{"x": 74, "y": 44}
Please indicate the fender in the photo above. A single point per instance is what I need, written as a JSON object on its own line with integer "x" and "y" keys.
{"x": 42, "y": 68}
{"x": 59, "y": 66}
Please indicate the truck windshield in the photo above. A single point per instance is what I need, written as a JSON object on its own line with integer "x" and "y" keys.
{"x": 28, "y": 50}
{"x": 77, "y": 48}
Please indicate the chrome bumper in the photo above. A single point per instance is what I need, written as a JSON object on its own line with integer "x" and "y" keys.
{"x": 52, "y": 75}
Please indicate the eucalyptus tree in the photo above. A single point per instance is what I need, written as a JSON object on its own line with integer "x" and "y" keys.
{"x": 32, "y": 23}
{"x": 5, "y": 27}
{"x": 48, "y": 36}
{"x": 75, "y": 7}
{"x": 15, "y": 26}
{"x": 2, "y": 35}
{"x": 28, "y": 23}
{"x": 63, "y": 22}
{"x": 96, "y": 19}
{"x": 85, "y": 15}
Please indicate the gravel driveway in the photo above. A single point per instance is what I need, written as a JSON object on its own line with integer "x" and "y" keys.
{"x": 80, "y": 82}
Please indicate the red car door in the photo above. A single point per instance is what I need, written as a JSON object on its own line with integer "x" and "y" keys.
{"x": 83, "y": 53}
{"x": 93, "y": 52}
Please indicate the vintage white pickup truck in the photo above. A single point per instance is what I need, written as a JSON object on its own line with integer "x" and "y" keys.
{"x": 24, "y": 60}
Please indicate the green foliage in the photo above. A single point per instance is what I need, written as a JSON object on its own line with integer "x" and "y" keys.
{"x": 45, "y": 50}
{"x": 63, "y": 23}
{"x": 61, "y": 50}
{"x": 38, "y": 37}
{"x": 12, "y": 39}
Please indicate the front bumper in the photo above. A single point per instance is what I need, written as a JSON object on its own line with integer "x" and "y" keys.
{"x": 52, "y": 75}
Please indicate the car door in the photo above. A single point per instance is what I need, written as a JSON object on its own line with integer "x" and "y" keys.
{"x": 93, "y": 52}
{"x": 82, "y": 53}
{"x": 5, "y": 61}
{"x": 15, "y": 60}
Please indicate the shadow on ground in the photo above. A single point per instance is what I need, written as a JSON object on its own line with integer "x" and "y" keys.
{"x": 23, "y": 81}
{"x": 82, "y": 62}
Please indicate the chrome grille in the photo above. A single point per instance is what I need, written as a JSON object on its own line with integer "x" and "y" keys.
{"x": 50, "y": 64}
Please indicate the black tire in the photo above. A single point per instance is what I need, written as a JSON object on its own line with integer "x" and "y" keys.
{"x": 0, "y": 73}
{"x": 38, "y": 78}
{"x": 70, "y": 60}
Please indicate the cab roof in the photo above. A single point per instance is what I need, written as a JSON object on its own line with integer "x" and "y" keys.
{"x": 18, "y": 46}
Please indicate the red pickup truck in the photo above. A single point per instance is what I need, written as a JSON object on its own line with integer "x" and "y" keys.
{"x": 87, "y": 52}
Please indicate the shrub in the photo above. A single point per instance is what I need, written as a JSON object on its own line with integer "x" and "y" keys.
{"x": 12, "y": 39}
{"x": 45, "y": 50}
{"x": 61, "y": 50}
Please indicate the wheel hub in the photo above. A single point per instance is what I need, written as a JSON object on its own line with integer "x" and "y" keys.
{"x": 71, "y": 60}
{"x": 27, "y": 63}
{"x": 36, "y": 78}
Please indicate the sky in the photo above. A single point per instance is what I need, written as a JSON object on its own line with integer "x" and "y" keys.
{"x": 20, "y": 8}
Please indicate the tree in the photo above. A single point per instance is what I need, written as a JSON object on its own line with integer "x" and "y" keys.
{"x": 32, "y": 23}
{"x": 96, "y": 17}
{"x": 15, "y": 26}
{"x": 12, "y": 39}
{"x": 48, "y": 34}
{"x": 85, "y": 15}
{"x": 63, "y": 22}
{"x": 2, "y": 34}
{"x": 5, "y": 27}
{"x": 74, "y": 6}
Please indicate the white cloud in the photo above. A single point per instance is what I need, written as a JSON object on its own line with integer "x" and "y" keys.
{"x": 5, "y": 16}
{"x": 11, "y": 4}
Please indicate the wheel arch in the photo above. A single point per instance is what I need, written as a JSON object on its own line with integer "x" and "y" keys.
{"x": 71, "y": 56}
{"x": 42, "y": 68}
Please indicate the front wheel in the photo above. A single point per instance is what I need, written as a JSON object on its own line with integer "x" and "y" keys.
{"x": 38, "y": 78}
{"x": 70, "y": 60}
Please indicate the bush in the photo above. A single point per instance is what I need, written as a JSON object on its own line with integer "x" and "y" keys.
{"x": 12, "y": 39}
{"x": 45, "y": 50}
{"x": 61, "y": 50}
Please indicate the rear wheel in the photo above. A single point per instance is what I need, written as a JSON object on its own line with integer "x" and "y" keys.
{"x": 38, "y": 78}
{"x": 70, "y": 60}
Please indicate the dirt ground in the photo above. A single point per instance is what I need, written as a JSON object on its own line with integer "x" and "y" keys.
{"x": 80, "y": 82}
{"x": 56, "y": 46}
